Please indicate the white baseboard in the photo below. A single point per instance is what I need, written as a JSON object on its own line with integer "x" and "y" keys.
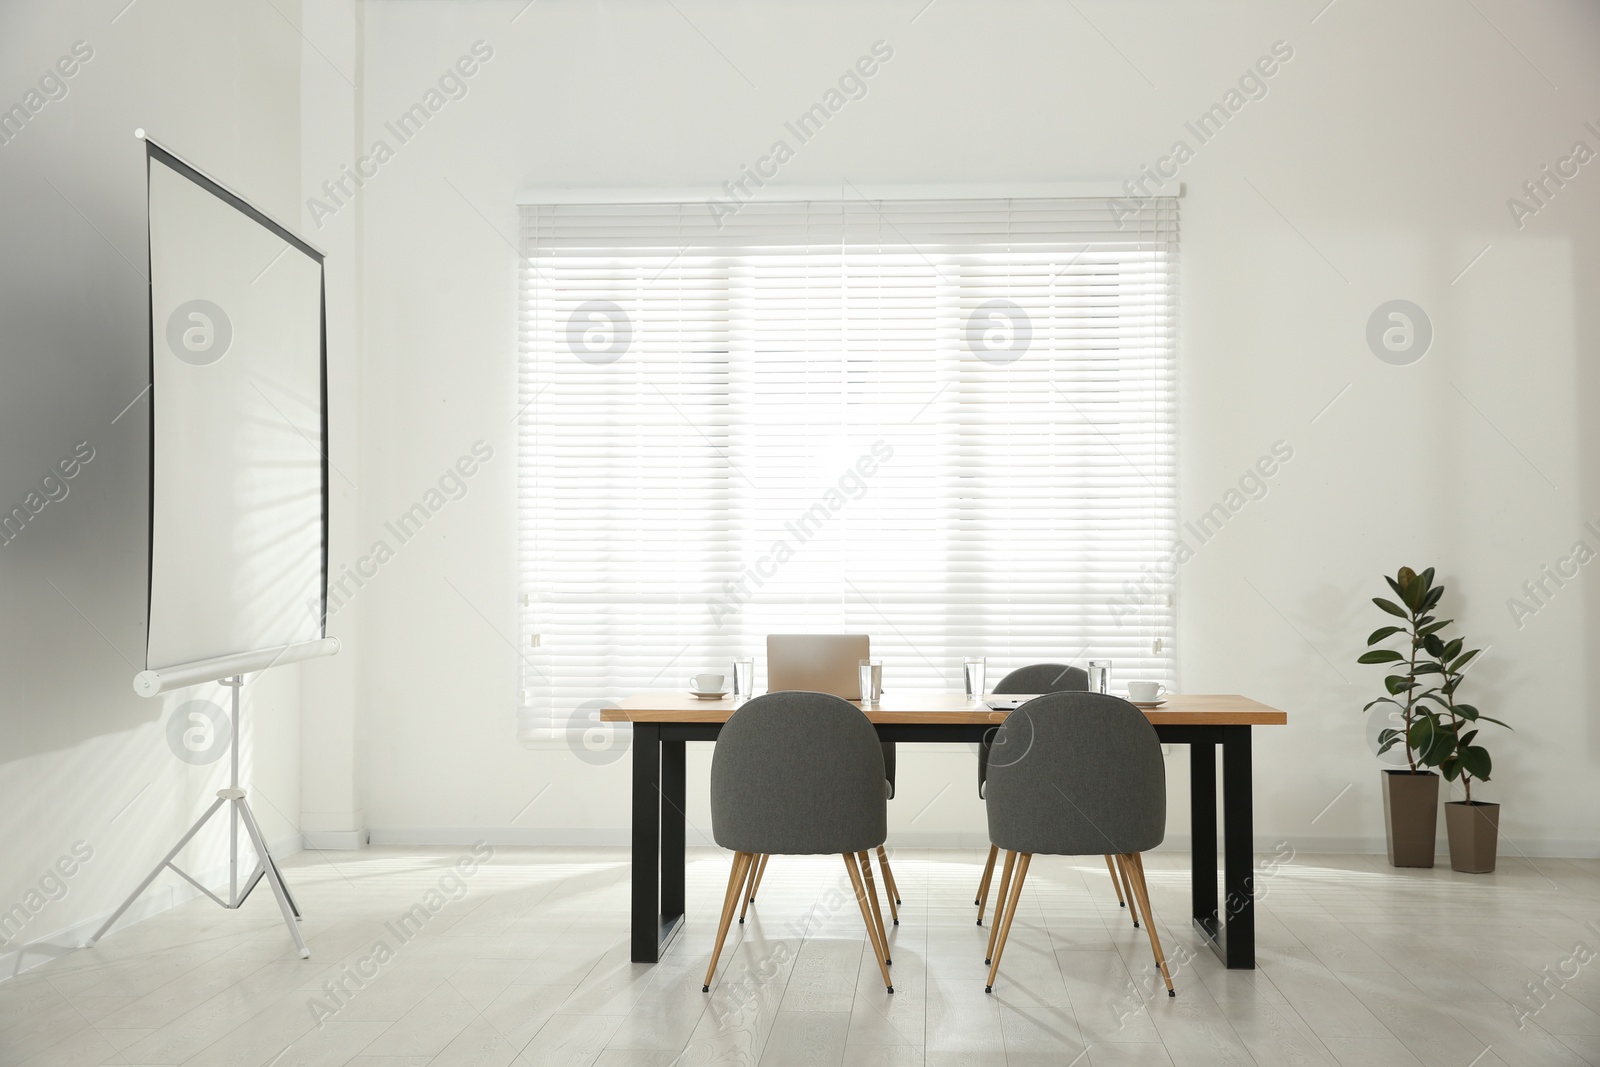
{"x": 335, "y": 840}
{"x": 153, "y": 901}
{"x": 507, "y": 835}
{"x": 421, "y": 836}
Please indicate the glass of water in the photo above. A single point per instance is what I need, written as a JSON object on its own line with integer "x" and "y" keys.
{"x": 871, "y": 680}
{"x": 973, "y": 669}
{"x": 1099, "y": 676}
{"x": 744, "y": 679}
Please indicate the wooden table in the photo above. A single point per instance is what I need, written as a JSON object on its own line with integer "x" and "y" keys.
{"x": 663, "y": 722}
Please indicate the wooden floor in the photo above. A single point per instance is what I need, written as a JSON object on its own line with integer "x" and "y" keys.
{"x": 525, "y": 962}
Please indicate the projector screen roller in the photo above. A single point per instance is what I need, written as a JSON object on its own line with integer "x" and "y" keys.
{"x": 238, "y": 481}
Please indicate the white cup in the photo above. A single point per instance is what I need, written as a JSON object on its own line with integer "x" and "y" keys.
{"x": 707, "y": 683}
{"x": 1145, "y": 691}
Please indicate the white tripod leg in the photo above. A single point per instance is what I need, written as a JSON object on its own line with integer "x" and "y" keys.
{"x": 165, "y": 860}
{"x": 271, "y": 873}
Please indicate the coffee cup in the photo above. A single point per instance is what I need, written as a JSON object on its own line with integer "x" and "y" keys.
{"x": 1145, "y": 691}
{"x": 707, "y": 683}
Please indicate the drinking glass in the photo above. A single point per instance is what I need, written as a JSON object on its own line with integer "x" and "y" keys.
{"x": 974, "y": 668}
{"x": 1099, "y": 676}
{"x": 744, "y": 679}
{"x": 871, "y": 680}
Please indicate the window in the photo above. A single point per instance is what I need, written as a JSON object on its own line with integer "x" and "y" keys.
{"x": 946, "y": 424}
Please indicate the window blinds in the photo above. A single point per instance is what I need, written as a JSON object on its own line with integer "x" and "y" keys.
{"x": 946, "y": 424}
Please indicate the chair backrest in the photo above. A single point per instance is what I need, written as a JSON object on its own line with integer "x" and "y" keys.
{"x": 1034, "y": 678}
{"x": 798, "y": 773}
{"x": 1044, "y": 678}
{"x": 1077, "y": 774}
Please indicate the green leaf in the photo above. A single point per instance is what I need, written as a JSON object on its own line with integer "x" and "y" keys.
{"x": 1399, "y": 592}
{"x": 1451, "y": 650}
{"x": 1421, "y": 733}
{"x": 1450, "y": 768}
{"x": 1381, "y": 655}
{"x": 1475, "y": 761}
{"x": 1433, "y": 644}
{"x": 1432, "y": 599}
{"x": 1397, "y": 684}
{"x": 1439, "y": 749}
{"x": 1497, "y": 722}
{"x": 1466, "y": 711}
{"x": 1382, "y": 632}
{"x": 1411, "y": 594}
{"x": 1429, "y": 667}
{"x": 1382, "y": 700}
{"x": 1390, "y": 606}
{"x": 1466, "y": 738}
{"x": 1427, "y": 579}
{"x": 1434, "y": 627}
{"x": 1465, "y": 658}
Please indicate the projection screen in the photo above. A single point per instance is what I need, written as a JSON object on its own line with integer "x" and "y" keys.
{"x": 239, "y": 475}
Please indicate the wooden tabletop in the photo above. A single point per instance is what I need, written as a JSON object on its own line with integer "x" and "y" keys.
{"x": 925, "y": 708}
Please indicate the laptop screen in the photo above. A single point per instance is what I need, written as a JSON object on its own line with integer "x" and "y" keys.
{"x": 817, "y": 663}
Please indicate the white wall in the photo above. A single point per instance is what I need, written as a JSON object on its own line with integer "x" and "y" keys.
{"x": 81, "y": 758}
{"x": 1378, "y": 166}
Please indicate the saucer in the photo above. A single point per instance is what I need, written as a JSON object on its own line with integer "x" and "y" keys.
{"x": 708, "y": 696}
{"x": 1148, "y": 703}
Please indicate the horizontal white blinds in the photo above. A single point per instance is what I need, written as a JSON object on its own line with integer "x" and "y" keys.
{"x": 946, "y": 424}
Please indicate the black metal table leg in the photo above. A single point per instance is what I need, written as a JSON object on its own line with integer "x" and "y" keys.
{"x": 646, "y": 842}
{"x": 673, "y": 789}
{"x": 1203, "y": 835}
{"x": 1238, "y": 848}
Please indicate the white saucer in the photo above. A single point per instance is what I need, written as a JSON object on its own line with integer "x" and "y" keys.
{"x": 708, "y": 696}
{"x": 1147, "y": 703}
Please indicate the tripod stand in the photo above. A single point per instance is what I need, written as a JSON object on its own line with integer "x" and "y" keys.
{"x": 239, "y": 811}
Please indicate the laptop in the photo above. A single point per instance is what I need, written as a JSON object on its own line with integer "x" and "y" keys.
{"x": 1007, "y": 701}
{"x": 817, "y": 663}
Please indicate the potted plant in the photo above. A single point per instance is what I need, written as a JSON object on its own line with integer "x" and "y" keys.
{"x": 1473, "y": 826}
{"x": 1411, "y": 795}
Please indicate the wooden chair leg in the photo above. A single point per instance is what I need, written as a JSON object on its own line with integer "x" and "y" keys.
{"x": 890, "y": 886}
{"x": 1116, "y": 885}
{"x": 760, "y": 871}
{"x": 983, "y": 886}
{"x": 741, "y": 864}
{"x": 1135, "y": 863}
{"x": 878, "y": 951}
{"x": 877, "y": 908}
{"x": 1127, "y": 888}
{"x": 1011, "y": 914}
{"x": 748, "y": 886}
{"x": 891, "y": 891}
{"x": 1000, "y": 903}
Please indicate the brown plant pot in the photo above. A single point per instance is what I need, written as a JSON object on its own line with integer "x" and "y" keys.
{"x": 1410, "y": 816}
{"x": 1474, "y": 833}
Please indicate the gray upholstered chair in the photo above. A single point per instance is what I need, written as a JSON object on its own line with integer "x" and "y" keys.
{"x": 800, "y": 774}
{"x": 1037, "y": 678}
{"x": 890, "y": 887}
{"x": 1075, "y": 774}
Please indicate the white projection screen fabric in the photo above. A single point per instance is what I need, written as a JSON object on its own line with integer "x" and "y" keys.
{"x": 238, "y": 479}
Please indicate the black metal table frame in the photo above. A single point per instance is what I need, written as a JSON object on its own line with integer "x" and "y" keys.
{"x": 659, "y": 784}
